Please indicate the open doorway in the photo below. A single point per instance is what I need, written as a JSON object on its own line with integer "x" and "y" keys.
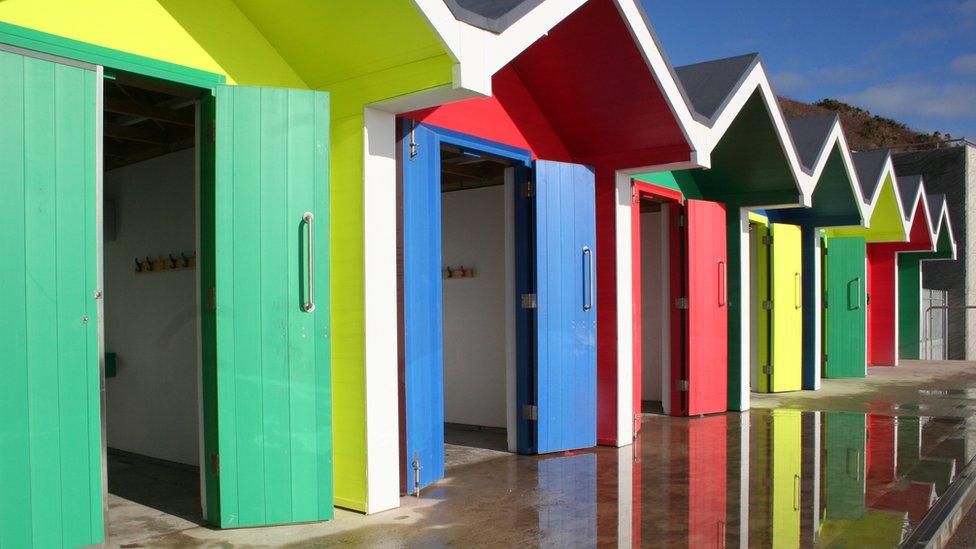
{"x": 477, "y": 257}
{"x": 655, "y": 336}
{"x": 153, "y": 424}
{"x": 659, "y": 283}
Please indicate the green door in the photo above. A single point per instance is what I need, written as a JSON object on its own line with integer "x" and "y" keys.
{"x": 50, "y": 426}
{"x": 844, "y": 344}
{"x": 786, "y": 334}
{"x": 266, "y": 309}
{"x": 845, "y": 435}
{"x": 762, "y": 305}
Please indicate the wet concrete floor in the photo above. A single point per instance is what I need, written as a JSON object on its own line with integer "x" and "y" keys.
{"x": 856, "y": 465}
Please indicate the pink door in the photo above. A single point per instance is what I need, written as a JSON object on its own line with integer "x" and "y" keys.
{"x": 705, "y": 381}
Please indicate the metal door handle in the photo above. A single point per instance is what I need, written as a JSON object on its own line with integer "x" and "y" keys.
{"x": 723, "y": 296}
{"x": 796, "y": 492}
{"x": 309, "y": 305}
{"x": 589, "y": 287}
{"x": 857, "y": 296}
{"x": 797, "y": 294}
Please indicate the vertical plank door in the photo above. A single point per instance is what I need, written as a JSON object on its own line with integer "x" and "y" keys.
{"x": 423, "y": 346}
{"x": 787, "y": 315}
{"x": 266, "y": 320}
{"x": 565, "y": 255}
{"x": 845, "y": 341}
{"x": 706, "y": 377}
{"x": 50, "y": 419}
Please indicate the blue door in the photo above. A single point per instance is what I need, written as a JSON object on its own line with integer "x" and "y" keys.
{"x": 565, "y": 277}
{"x": 423, "y": 348}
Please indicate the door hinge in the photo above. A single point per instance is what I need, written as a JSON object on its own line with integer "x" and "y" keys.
{"x": 528, "y": 301}
{"x": 416, "y": 474}
{"x": 215, "y": 464}
{"x": 634, "y": 195}
{"x": 681, "y": 303}
{"x": 767, "y": 305}
{"x": 767, "y": 369}
{"x": 530, "y": 412}
{"x": 211, "y": 299}
{"x": 767, "y": 240}
{"x": 413, "y": 140}
{"x": 528, "y": 189}
{"x": 867, "y": 300}
{"x": 680, "y": 221}
{"x": 682, "y": 385}
{"x": 212, "y": 132}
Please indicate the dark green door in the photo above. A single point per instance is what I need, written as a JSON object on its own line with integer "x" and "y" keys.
{"x": 50, "y": 426}
{"x": 266, "y": 318}
{"x": 845, "y": 435}
{"x": 844, "y": 341}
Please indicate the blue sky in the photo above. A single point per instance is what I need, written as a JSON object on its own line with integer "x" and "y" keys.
{"x": 913, "y": 61}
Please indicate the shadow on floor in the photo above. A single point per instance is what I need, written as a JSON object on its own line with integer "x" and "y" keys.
{"x": 652, "y": 407}
{"x": 474, "y": 436}
{"x": 172, "y": 488}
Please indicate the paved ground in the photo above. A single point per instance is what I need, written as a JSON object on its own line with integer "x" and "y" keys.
{"x": 664, "y": 488}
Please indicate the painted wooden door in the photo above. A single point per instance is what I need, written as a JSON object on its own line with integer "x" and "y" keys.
{"x": 845, "y": 339}
{"x": 763, "y": 322}
{"x": 423, "y": 369}
{"x": 565, "y": 276}
{"x": 844, "y": 482}
{"x": 786, "y": 266}
{"x": 50, "y": 426}
{"x": 705, "y": 380}
{"x": 270, "y": 345}
{"x": 786, "y": 476}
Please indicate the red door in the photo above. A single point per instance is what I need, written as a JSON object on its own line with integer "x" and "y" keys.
{"x": 704, "y": 384}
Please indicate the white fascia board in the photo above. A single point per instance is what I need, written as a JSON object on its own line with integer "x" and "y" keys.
{"x": 836, "y": 141}
{"x": 945, "y": 223}
{"x": 694, "y": 131}
{"x": 480, "y": 54}
{"x": 757, "y": 80}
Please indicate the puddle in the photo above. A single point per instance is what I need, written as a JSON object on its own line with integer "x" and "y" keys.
{"x": 764, "y": 478}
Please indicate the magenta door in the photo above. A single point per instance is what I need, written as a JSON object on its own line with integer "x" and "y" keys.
{"x": 706, "y": 377}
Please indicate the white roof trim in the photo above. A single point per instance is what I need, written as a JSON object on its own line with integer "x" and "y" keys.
{"x": 836, "y": 140}
{"x": 479, "y": 54}
{"x": 757, "y": 80}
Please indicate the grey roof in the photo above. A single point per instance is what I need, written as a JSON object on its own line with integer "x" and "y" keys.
{"x": 709, "y": 85}
{"x": 868, "y": 165}
{"x": 908, "y": 187}
{"x": 810, "y": 135}
{"x": 936, "y": 201}
{"x": 491, "y": 15}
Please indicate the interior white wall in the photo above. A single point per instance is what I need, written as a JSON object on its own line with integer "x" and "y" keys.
{"x": 151, "y": 319}
{"x": 654, "y": 312}
{"x": 474, "y": 309}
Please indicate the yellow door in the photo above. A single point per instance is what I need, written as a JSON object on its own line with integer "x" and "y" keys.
{"x": 787, "y": 456}
{"x": 787, "y": 308}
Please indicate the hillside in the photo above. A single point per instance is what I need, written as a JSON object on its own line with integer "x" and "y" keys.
{"x": 863, "y": 130}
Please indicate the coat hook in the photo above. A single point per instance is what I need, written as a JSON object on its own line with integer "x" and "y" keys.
{"x": 148, "y": 265}
{"x": 172, "y": 262}
{"x": 138, "y": 265}
{"x": 186, "y": 260}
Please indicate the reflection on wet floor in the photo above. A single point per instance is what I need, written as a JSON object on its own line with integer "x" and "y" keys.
{"x": 781, "y": 478}
{"x": 765, "y": 478}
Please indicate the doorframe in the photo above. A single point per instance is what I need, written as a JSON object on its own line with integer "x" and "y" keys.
{"x": 675, "y": 200}
{"x": 106, "y": 61}
{"x": 519, "y": 376}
